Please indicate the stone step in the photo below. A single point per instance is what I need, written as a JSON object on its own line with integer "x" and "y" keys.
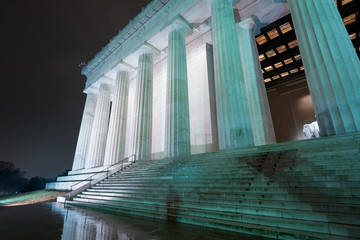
{"x": 267, "y": 174}
{"x": 298, "y": 190}
{"x": 239, "y": 177}
{"x": 239, "y": 191}
{"x": 234, "y": 182}
{"x": 252, "y": 229}
{"x": 291, "y": 170}
{"x": 309, "y": 206}
{"x": 344, "y": 218}
{"x": 306, "y": 195}
{"x": 330, "y": 152}
{"x": 269, "y": 221}
{"x": 244, "y": 196}
{"x": 340, "y": 163}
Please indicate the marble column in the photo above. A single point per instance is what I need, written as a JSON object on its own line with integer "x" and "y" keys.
{"x": 95, "y": 154}
{"x": 233, "y": 116}
{"x": 177, "y": 125}
{"x": 115, "y": 143}
{"x": 85, "y": 132}
{"x": 143, "y": 104}
{"x": 331, "y": 65}
{"x": 261, "y": 121}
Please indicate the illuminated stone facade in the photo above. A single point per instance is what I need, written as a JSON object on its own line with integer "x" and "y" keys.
{"x": 184, "y": 77}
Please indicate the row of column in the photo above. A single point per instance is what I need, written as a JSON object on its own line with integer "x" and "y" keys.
{"x": 243, "y": 115}
{"x": 104, "y": 145}
{"x": 102, "y": 140}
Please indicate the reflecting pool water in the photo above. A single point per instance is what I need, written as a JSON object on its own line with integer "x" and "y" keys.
{"x": 56, "y": 221}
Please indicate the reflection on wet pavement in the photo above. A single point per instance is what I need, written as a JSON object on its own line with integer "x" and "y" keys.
{"x": 56, "y": 221}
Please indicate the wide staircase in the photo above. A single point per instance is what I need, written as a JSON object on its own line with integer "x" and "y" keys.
{"x": 297, "y": 190}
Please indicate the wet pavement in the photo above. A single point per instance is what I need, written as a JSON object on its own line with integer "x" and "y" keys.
{"x": 56, "y": 221}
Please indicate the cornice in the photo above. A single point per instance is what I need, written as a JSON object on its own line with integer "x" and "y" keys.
{"x": 142, "y": 18}
{"x": 152, "y": 19}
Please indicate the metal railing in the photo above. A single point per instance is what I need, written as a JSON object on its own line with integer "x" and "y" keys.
{"x": 91, "y": 180}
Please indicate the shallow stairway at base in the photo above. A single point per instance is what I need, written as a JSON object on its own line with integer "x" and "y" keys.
{"x": 297, "y": 190}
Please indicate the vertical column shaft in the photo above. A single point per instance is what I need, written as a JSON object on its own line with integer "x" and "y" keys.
{"x": 95, "y": 154}
{"x": 331, "y": 65}
{"x": 177, "y": 141}
{"x": 85, "y": 132}
{"x": 115, "y": 143}
{"x": 261, "y": 121}
{"x": 143, "y": 103}
{"x": 233, "y": 116}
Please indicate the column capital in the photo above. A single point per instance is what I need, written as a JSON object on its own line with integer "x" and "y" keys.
{"x": 247, "y": 23}
{"x": 251, "y": 24}
{"x": 179, "y": 24}
{"x": 147, "y": 48}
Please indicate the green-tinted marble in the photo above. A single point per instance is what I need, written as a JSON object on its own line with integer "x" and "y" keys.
{"x": 233, "y": 116}
{"x": 143, "y": 104}
{"x": 96, "y": 150}
{"x": 331, "y": 65}
{"x": 177, "y": 139}
{"x": 115, "y": 144}
{"x": 261, "y": 121}
{"x": 85, "y": 132}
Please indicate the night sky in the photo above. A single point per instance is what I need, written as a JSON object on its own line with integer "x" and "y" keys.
{"x": 42, "y": 44}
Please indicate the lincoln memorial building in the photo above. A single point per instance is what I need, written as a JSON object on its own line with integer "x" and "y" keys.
{"x": 238, "y": 115}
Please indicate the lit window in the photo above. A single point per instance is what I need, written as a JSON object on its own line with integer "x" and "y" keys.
{"x": 285, "y": 28}
{"x": 288, "y": 61}
{"x": 295, "y": 70}
{"x": 349, "y": 19}
{"x": 267, "y": 80}
{"x": 261, "y": 40}
{"x": 279, "y": 64}
{"x": 273, "y": 34}
{"x": 275, "y": 77}
{"x": 293, "y": 44}
{"x": 281, "y": 49}
{"x": 270, "y": 53}
{"x": 352, "y": 36}
{"x": 301, "y": 68}
{"x": 343, "y": 2}
{"x": 268, "y": 68}
{"x": 284, "y": 74}
{"x": 297, "y": 57}
{"x": 262, "y": 57}
{"x": 335, "y": 2}
{"x": 262, "y": 71}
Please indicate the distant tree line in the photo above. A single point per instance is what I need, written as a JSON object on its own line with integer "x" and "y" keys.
{"x": 12, "y": 180}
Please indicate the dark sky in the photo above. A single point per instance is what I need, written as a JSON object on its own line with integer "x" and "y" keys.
{"x": 42, "y": 44}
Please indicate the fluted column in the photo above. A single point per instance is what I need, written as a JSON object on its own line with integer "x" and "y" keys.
{"x": 233, "y": 116}
{"x": 143, "y": 104}
{"x": 85, "y": 132}
{"x": 115, "y": 143}
{"x": 95, "y": 154}
{"x": 261, "y": 121}
{"x": 332, "y": 67}
{"x": 177, "y": 135}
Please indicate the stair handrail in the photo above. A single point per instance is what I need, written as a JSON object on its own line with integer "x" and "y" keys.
{"x": 90, "y": 178}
